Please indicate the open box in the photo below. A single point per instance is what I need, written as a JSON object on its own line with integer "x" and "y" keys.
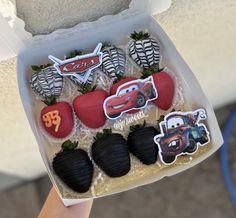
{"x": 116, "y": 28}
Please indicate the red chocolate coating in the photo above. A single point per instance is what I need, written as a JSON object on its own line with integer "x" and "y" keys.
{"x": 166, "y": 90}
{"x": 89, "y": 108}
{"x": 57, "y": 119}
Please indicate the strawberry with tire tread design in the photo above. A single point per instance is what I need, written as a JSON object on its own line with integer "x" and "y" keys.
{"x": 74, "y": 167}
{"x": 110, "y": 153}
{"x": 144, "y": 50}
{"x": 113, "y": 61}
{"x": 46, "y": 81}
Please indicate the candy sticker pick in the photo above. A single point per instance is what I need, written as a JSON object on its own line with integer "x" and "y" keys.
{"x": 80, "y": 66}
{"x": 181, "y": 133}
{"x": 131, "y": 95}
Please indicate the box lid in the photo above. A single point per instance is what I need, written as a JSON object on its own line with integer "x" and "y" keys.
{"x": 14, "y": 38}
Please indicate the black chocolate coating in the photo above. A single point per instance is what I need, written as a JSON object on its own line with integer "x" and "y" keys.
{"x": 112, "y": 155}
{"x": 141, "y": 144}
{"x": 75, "y": 169}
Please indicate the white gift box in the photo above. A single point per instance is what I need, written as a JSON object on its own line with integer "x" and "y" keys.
{"x": 30, "y": 50}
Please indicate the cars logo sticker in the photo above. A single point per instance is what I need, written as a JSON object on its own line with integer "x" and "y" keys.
{"x": 181, "y": 133}
{"x": 80, "y": 66}
{"x": 131, "y": 95}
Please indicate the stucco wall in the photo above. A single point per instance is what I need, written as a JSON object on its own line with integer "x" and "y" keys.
{"x": 204, "y": 31}
{"x": 64, "y": 14}
{"x": 19, "y": 154}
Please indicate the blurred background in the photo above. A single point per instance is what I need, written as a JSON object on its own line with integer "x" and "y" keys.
{"x": 204, "y": 33}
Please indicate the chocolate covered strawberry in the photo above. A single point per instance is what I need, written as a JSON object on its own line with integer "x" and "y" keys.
{"x": 144, "y": 50}
{"x": 165, "y": 87}
{"x": 46, "y": 81}
{"x": 89, "y": 107}
{"x": 73, "y": 167}
{"x": 57, "y": 118}
{"x": 113, "y": 61}
{"x": 141, "y": 143}
{"x": 110, "y": 152}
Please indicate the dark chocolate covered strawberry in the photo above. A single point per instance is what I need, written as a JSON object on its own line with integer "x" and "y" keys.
{"x": 113, "y": 61}
{"x": 165, "y": 87}
{"x": 144, "y": 50}
{"x": 141, "y": 143}
{"x": 57, "y": 118}
{"x": 46, "y": 81}
{"x": 73, "y": 167}
{"x": 110, "y": 153}
{"x": 89, "y": 107}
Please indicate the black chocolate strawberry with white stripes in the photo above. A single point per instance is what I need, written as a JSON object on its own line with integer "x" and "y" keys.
{"x": 113, "y": 61}
{"x": 144, "y": 50}
{"x": 46, "y": 81}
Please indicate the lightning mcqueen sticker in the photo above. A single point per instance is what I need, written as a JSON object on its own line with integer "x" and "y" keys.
{"x": 131, "y": 95}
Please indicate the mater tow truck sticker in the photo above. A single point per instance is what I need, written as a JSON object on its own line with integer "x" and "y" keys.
{"x": 181, "y": 133}
{"x": 131, "y": 95}
{"x": 80, "y": 66}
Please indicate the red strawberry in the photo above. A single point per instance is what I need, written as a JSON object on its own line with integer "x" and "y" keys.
{"x": 165, "y": 87}
{"x": 57, "y": 119}
{"x": 119, "y": 83}
{"x": 89, "y": 107}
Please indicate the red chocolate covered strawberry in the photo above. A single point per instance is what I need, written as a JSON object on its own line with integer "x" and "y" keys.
{"x": 89, "y": 107}
{"x": 57, "y": 118}
{"x": 165, "y": 86}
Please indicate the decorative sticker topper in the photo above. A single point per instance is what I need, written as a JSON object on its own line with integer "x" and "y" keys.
{"x": 181, "y": 133}
{"x": 131, "y": 95}
{"x": 80, "y": 66}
